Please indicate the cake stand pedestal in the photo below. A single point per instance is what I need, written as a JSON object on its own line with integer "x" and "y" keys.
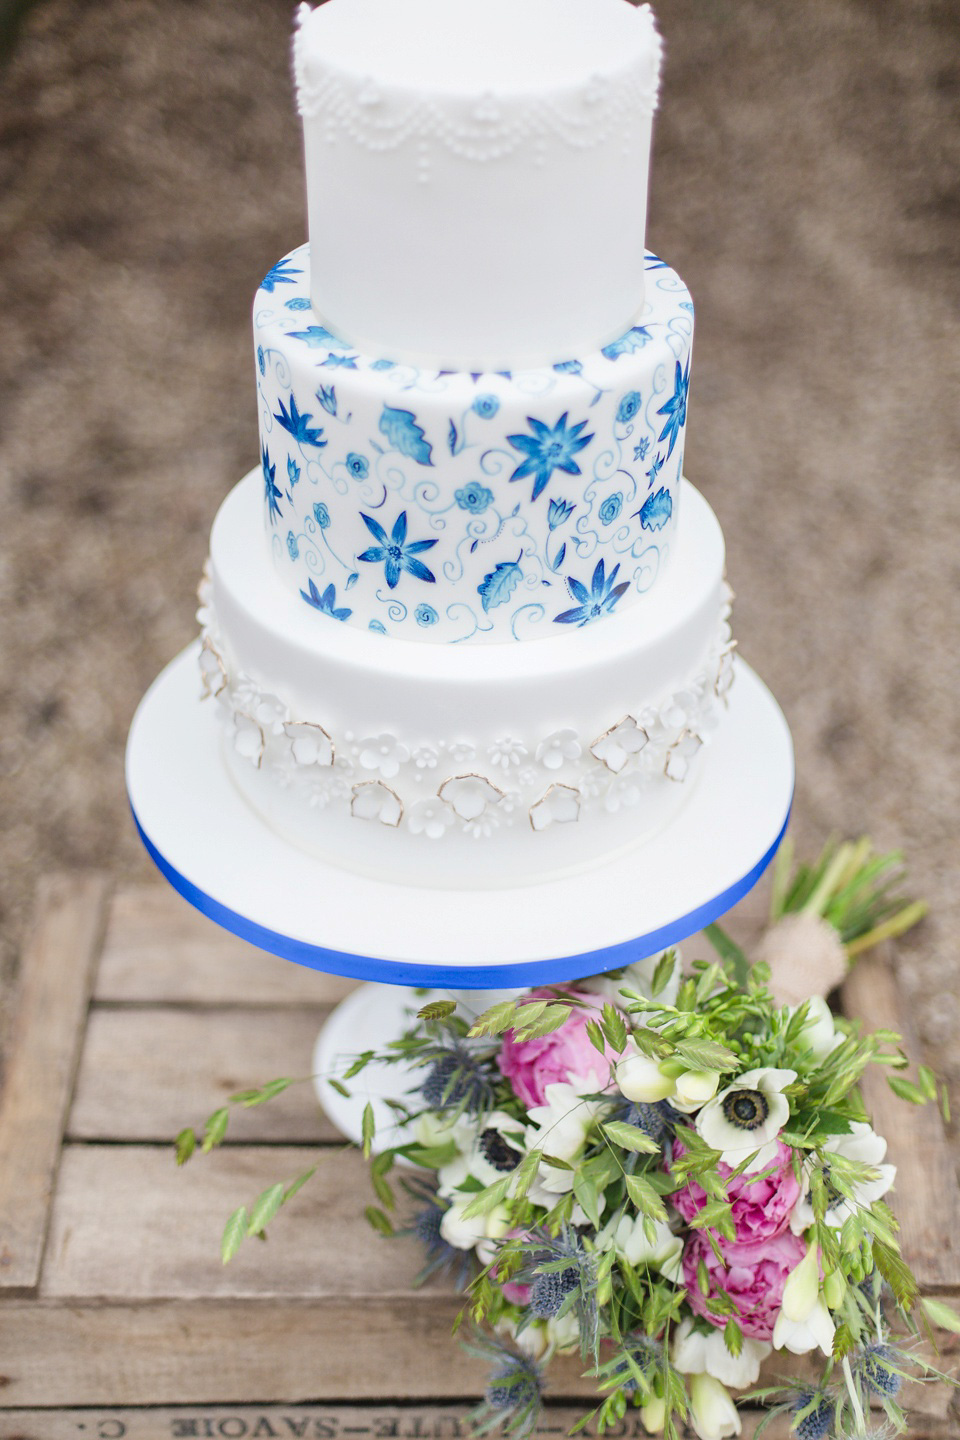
{"x": 221, "y": 857}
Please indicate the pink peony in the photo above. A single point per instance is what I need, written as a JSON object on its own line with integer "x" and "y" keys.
{"x": 567, "y": 1053}
{"x": 761, "y": 1210}
{"x": 753, "y": 1276}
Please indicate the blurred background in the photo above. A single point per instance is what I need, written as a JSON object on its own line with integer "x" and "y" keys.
{"x": 805, "y": 184}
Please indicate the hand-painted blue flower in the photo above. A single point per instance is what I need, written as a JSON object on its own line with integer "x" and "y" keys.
{"x": 299, "y": 425}
{"x": 611, "y": 508}
{"x": 641, "y": 448}
{"x": 568, "y": 367}
{"x": 293, "y": 549}
{"x": 318, "y": 337}
{"x": 656, "y": 510}
{"x": 635, "y": 339}
{"x": 656, "y": 465}
{"x": 474, "y": 497}
{"x": 395, "y": 552}
{"x": 280, "y": 274}
{"x": 328, "y": 398}
{"x": 596, "y": 602}
{"x": 425, "y": 615}
{"x": 299, "y": 302}
{"x": 340, "y": 362}
{"x": 675, "y": 408}
{"x": 486, "y": 406}
{"x": 628, "y": 407}
{"x": 322, "y": 515}
{"x": 402, "y": 430}
{"x": 271, "y": 493}
{"x": 261, "y": 361}
{"x": 548, "y": 450}
{"x": 558, "y": 511}
{"x": 358, "y": 465}
{"x": 325, "y": 603}
{"x": 378, "y": 627}
{"x": 384, "y": 365}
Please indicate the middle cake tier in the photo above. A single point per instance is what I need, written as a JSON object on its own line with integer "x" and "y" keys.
{"x": 451, "y": 507}
{"x": 457, "y": 766}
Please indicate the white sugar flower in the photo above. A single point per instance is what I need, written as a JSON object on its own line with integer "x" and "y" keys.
{"x": 372, "y": 800}
{"x": 462, "y": 752}
{"x": 617, "y": 746}
{"x": 560, "y": 805}
{"x": 862, "y": 1145}
{"x": 384, "y": 754}
{"x": 747, "y": 1116}
{"x": 558, "y": 748}
{"x": 712, "y": 1413}
{"x": 309, "y": 744}
{"x": 248, "y": 738}
{"x": 425, "y": 757}
{"x": 470, "y": 795}
{"x": 646, "y": 1242}
{"x": 432, "y": 818}
{"x": 695, "y": 1353}
{"x": 507, "y": 752}
{"x": 624, "y": 794}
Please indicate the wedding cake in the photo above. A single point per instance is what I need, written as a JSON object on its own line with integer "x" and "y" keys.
{"x": 466, "y": 624}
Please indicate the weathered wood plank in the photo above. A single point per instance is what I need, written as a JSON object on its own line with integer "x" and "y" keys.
{"x": 926, "y": 1199}
{"x": 55, "y": 979}
{"x": 147, "y": 1071}
{"x": 158, "y": 948}
{"x": 305, "y": 1422}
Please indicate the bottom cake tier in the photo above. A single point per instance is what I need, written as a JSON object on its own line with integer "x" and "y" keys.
{"x": 463, "y": 767}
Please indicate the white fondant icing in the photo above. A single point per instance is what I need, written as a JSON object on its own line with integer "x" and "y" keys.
{"x": 514, "y": 505}
{"x": 477, "y": 173}
{"x": 532, "y": 750}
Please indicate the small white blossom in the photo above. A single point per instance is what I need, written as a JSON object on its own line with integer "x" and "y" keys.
{"x": 814, "y": 1332}
{"x": 619, "y": 744}
{"x": 213, "y": 672}
{"x": 425, "y": 757}
{"x": 680, "y": 756}
{"x": 470, "y": 795}
{"x": 819, "y": 1034}
{"x": 643, "y": 1241}
{"x": 384, "y": 754}
{"x": 309, "y": 744}
{"x": 625, "y": 793}
{"x": 694, "y": 1352}
{"x": 864, "y": 1146}
{"x": 748, "y": 1116}
{"x": 559, "y": 806}
{"x": 372, "y": 800}
{"x": 248, "y": 738}
{"x": 640, "y": 1078}
{"x": 462, "y": 752}
{"x": 432, "y": 818}
{"x": 507, "y": 752}
{"x": 554, "y": 752}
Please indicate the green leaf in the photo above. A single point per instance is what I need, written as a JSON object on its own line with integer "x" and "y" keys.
{"x": 526, "y": 1172}
{"x": 645, "y": 1198}
{"x": 730, "y": 953}
{"x": 265, "y": 1207}
{"x": 551, "y": 1018}
{"x": 340, "y": 1089}
{"x": 664, "y": 972}
{"x": 489, "y": 1197}
{"x": 299, "y": 1183}
{"x": 234, "y": 1233}
{"x": 215, "y": 1129}
{"x": 437, "y": 1010}
{"x": 614, "y": 1027}
{"x": 496, "y": 1020}
{"x": 272, "y": 1089}
{"x": 595, "y": 1036}
{"x": 185, "y": 1144}
{"x": 843, "y": 1342}
{"x": 928, "y": 1081}
{"x": 431, "y": 1157}
{"x": 630, "y": 1137}
{"x": 378, "y": 1220}
{"x": 896, "y": 1273}
{"x": 906, "y": 1090}
{"x": 941, "y": 1315}
{"x": 733, "y": 1338}
{"x": 361, "y": 1063}
{"x": 586, "y": 1191}
{"x": 367, "y": 1130}
{"x": 707, "y": 1055}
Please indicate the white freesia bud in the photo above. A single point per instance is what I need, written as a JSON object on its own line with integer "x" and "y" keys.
{"x": 695, "y": 1088}
{"x": 802, "y": 1290}
{"x": 495, "y": 1226}
{"x": 653, "y": 1414}
{"x": 834, "y": 1289}
{"x": 640, "y": 1078}
{"x": 712, "y": 1413}
{"x": 460, "y": 1233}
{"x": 819, "y": 1034}
{"x": 800, "y": 1337}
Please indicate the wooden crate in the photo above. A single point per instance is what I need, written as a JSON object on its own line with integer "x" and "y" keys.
{"x": 137, "y": 1016}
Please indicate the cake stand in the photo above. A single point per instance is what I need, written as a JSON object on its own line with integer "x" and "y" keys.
{"x": 226, "y": 862}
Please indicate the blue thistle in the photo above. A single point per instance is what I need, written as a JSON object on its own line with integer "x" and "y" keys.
{"x": 460, "y": 1078}
{"x": 821, "y": 1412}
{"x": 514, "y": 1392}
{"x": 878, "y": 1366}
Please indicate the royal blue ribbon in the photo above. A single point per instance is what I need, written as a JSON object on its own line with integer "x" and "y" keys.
{"x": 461, "y": 977}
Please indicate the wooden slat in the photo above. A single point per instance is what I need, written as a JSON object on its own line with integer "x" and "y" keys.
{"x": 305, "y": 1422}
{"x": 147, "y": 1071}
{"x": 159, "y": 949}
{"x": 925, "y": 1198}
{"x": 55, "y": 979}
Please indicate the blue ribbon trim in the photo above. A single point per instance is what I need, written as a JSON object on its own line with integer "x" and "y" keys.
{"x": 454, "y": 977}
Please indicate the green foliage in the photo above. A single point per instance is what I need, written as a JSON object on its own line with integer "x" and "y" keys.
{"x": 438, "y": 1010}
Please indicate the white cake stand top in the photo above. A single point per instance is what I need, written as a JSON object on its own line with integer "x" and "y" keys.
{"x": 222, "y": 858}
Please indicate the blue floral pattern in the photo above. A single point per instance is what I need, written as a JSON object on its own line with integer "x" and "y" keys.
{"x": 325, "y": 603}
{"x": 503, "y": 492}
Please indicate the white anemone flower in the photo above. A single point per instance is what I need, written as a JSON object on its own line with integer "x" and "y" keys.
{"x": 863, "y": 1145}
{"x": 560, "y": 1126}
{"x": 801, "y": 1336}
{"x": 629, "y": 1238}
{"x": 748, "y": 1116}
{"x": 713, "y": 1414}
{"x": 696, "y": 1353}
{"x": 487, "y": 1153}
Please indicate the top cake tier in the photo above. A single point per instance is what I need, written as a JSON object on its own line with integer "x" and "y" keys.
{"x": 477, "y": 174}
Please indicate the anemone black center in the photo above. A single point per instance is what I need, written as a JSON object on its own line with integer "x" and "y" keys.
{"x": 747, "y": 1109}
{"x": 497, "y": 1152}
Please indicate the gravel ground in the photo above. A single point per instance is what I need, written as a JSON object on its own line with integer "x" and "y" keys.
{"x": 805, "y": 185}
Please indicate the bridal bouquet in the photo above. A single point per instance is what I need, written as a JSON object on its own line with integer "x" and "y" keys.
{"x": 670, "y": 1171}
